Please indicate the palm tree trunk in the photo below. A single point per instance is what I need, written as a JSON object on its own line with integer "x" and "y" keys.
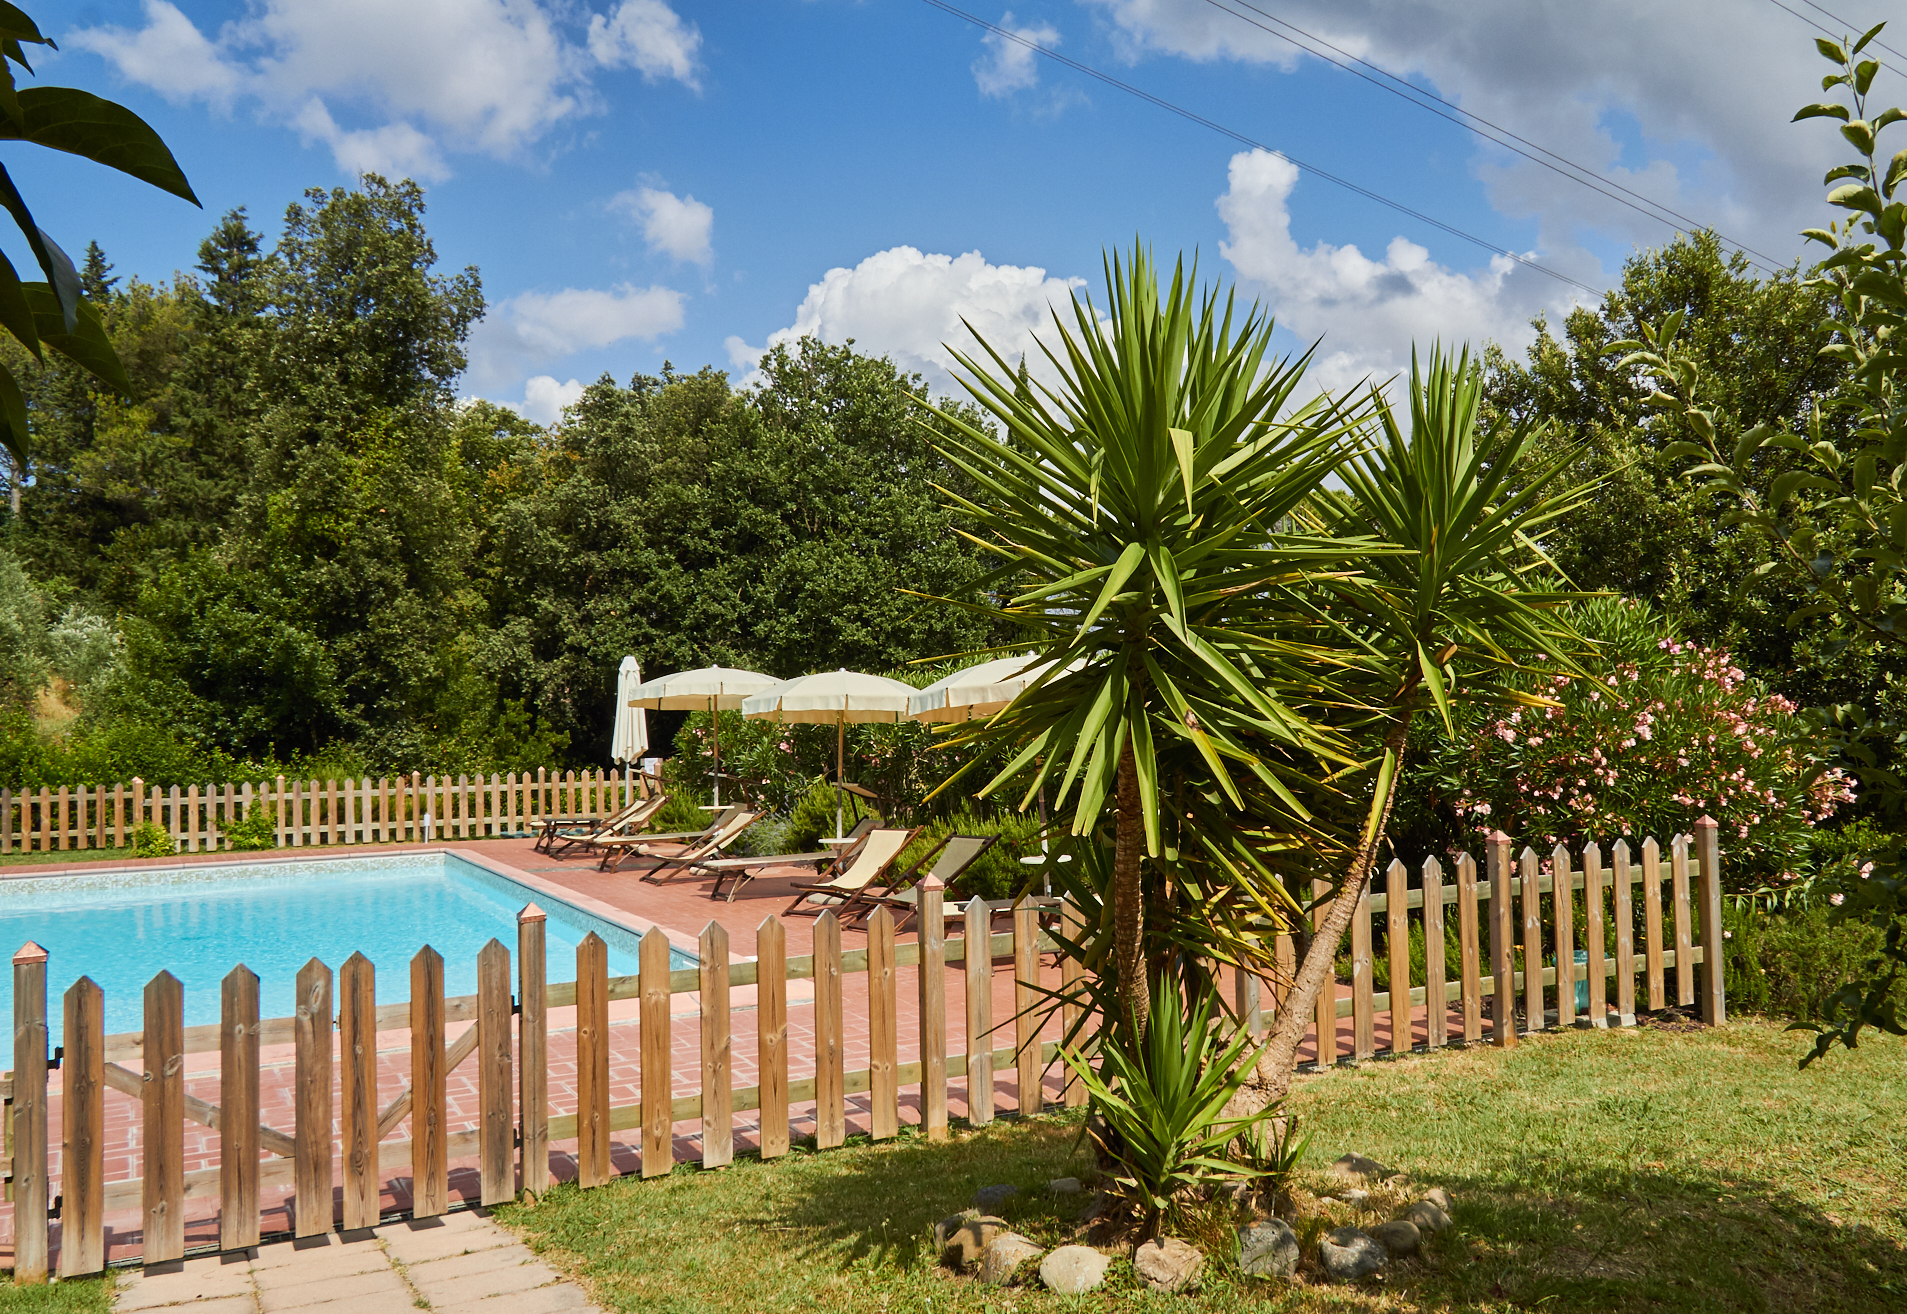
{"x": 1271, "y": 1076}
{"x": 1128, "y": 896}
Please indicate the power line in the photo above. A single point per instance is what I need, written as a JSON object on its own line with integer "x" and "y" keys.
{"x": 1830, "y": 33}
{"x": 1852, "y": 27}
{"x": 1469, "y": 120}
{"x": 1194, "y": 117}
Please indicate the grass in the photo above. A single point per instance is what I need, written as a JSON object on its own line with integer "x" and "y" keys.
{"x": 73, "y": 1296}
{"x": 1648, "y": 1169}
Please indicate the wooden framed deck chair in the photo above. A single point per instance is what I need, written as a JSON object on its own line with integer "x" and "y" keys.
{"x": 869, "y": 863}
{"x": 693, "y": 854}
{"x": 951, "y": 859}
{"x": 628, "y": 839}
{"x": 740, "y": 871}
{"x": 558, "y": 841}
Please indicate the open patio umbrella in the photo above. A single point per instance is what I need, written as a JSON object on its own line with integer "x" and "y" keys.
{"x": 629, "y": 740}
{"x": 833, "y": 698}
{"x": 979, "y": 691}
{"x": 714, "y": 688}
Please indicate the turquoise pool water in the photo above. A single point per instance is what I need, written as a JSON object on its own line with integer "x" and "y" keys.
{"x": 121, "y": 928}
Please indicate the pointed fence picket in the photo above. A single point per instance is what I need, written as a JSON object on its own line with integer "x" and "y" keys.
{"x": 1526, "y": 922}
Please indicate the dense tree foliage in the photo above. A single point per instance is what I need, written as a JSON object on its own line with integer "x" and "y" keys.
{"x": 300, "y": 543}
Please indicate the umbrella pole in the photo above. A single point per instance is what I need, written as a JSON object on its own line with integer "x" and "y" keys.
{"x": 715, "y": 734}
{"x": 840, "y": 757}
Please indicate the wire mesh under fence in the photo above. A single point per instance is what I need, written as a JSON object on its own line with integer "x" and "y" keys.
{"x": 195, "y": 1134}
{"x": 1450, "y": 953}
{"x": 308, "y": 813}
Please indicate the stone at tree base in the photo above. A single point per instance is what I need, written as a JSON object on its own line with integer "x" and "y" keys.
{"x": 1348, "y": 1254}
{"x": 1074, "y": 1270}
{"x": 992, "y": 1197}
{"x": 1438, "y": 1196}
{"x": 1355, "y": 1167}
{"x": 1003, "y": 1257}
{"x": 1268, "y": 1249}
{"x": 1167, "y": 1264}
{"x": 1064, "y": 1186}
{"x": 1427, "y": 1216}
{"x": 1355, "y": 1197}
{"x": 964, "y": 1236}
{"x": 1399, "y": 1236}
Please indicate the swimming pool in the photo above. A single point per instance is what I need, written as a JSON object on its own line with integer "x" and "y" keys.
{"x": 121, "y": 928}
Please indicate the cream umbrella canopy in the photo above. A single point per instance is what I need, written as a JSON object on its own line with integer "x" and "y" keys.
{"x": 711, "y": 689}
{"x": 833, "y": 698}
{"x": 979, "y": 691}
{"x": 629, "y": 740}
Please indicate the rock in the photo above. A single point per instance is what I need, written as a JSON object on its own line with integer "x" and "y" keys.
{"x": 990, "y": 1198}
{"x": 1064, "y": 1186}
{"x": 1074, "y": 1270}
{"x": 1355, "y": 1167}
{"x": 963, "y": 1237}
{"x": 1355, "y": 1197}
{"x": 1167, "y": 1264}
{"x": 1348, "y": 1254}
{"x": 1004, "y": 1255}
{"x": 1427, "y": 1216}
{"x": 1438, "y": 1196}
{"x": 1268, "y": 1249}
{"x": 1399, "y": 1236}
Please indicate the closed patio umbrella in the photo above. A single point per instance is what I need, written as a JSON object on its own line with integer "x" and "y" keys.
{"x": 833, "y": 698}
{"x": 629, "y": 740}
{"x": 977, "y": 692}
{"x": 714, "y": 688}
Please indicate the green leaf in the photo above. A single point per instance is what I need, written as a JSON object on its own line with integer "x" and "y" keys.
{"x": 1830, "y": 50}
{"x": 1823, "y": 110}
{"x": 80, "y": 123}
{"x": 16, "y": 316}
{"x": 1866, "y": 37}
{"x": 1841, "y": 171}
{"x": 1854, "y": 197}
{"x": 15, "y": 438}
{"x": 87, "y": 345}
{"x": 16, "y": 26}
{"x": 1182, "y": 441}
{"x": 1129, "y": 561}
{"x": 54, "y": 263}
{"x": 1864, "y": 76}
{"x": 1859, "y": 133}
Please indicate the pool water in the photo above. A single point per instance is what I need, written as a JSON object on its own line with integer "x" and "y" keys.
{"x": 122, "y": 928}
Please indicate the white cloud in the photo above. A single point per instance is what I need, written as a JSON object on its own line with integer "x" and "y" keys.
{"x": 909, "y": 306}
{"x": 539, "y": 328}
{"x": 1009, "y": 66}
{"x": 1712, "y": 83}
{"x": 675, "y": 225}
{"x": 412, "y": 81}
{"x": 544, "y": 399}
{"x": 1369, "y": 312}
{"x": 648, "y": 36}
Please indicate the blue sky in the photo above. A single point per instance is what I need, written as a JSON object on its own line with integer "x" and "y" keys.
{"x": 640, "y": 180}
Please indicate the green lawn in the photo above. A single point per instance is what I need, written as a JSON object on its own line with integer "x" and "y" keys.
{"x": 1638, "y": 1170}
{"x": 82, "y": 1296}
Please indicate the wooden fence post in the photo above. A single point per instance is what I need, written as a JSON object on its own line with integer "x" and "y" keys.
{"x": 1594, "y": 935}
{"x": 1397, "y": 947}
{"x": 1714, "y": 990}
{"x": 1436, "y": 1010}
{"x": 771, "y": 1033}
{"x": 1534, "y": 1018}
{"x": 162, "y": 1174}
{"x": 533, "y": 1071}
{"x": 718, "y": 1104}
{"x": 238, "y": 1109}
{"x": 1026, "y": 1029}
{"x": 1625, "y": 938}
{"x": 830, "y": 1112}
{"x": 658, "y": 1082}
{"x": 1652, "y": 922}
{"x": 1563, "y": 904}
{"x": 1502, "y": 944}
{"x": 29, "y": 1115}
{"x": 357, "y": 1050}
{"x": 592, "y": 1062}
{"x": 1072, "y": 984}
{"x": 978, "y": 957}
{"x": 1684, "y": 922}
{"x": 430, "y": 1159}
{"x": 1327, "y": 1005}
{"x": 283, "y": 837}
{"x": 83, "y": 1132}
{"x": 931, "y": 932}
{"x": 312, "y": 1163}
{"x": 495, "y": 1140}
{"x": 1469, "y": 983}
{"x": 1363, "y": 1003}
{"x": 883, "y": 1028}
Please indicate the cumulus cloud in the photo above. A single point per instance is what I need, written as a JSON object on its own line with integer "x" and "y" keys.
{"x": 411, "y": 82}
{"x": 908, "y": 305}
{"x": 1368, "y": 311}
{"x": 1007, "y": 66}
{"x": 678, "y": 226}
{"x": 539, "y": 328}
{"x": 1712, "y": 86}
{"x": 544, "y": 399}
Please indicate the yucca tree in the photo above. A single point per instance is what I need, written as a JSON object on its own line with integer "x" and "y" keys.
{"x": 1149, "y": 511}
{"x": 1455, "y": 600}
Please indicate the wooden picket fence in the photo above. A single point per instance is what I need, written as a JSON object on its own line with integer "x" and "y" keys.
{"x": 515, "y": 1128}
{"x": 308, "y": 812}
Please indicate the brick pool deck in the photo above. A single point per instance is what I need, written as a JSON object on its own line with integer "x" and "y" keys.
{"x": 682, "y": 908}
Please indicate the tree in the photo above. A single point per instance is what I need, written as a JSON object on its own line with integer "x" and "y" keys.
{"x": 1830, "y": 506}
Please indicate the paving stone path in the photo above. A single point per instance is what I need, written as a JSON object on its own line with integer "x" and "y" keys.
{"x": 461, "y": 1263}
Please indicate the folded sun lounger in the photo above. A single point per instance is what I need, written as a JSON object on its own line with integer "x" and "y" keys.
{"x": 696, "y": 852}
{"x": 876, "y": 854}
{"x": 951, "y": 859}
{"x": 742, "y": 870}
{"x": 560, "y": 840}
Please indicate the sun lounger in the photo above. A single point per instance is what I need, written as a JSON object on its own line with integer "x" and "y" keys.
{"x": 742, "y": 870}
{"x": 694, "y": 854}
{"x": 951, "y": 859}
{"x": 609, "y": 843}
{"x": 557, "y": 841}
{"x": 869, "y": 863}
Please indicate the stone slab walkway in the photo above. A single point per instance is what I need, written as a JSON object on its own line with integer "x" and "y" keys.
{"x": 460, "y": 1263}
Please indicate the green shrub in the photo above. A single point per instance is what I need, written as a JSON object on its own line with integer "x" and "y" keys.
{"x": 1784, "y": 963}
{"x": 998, "y": 874}
{"x": 255, "y": 831}
{"x": 150, "y": 840}
{"x": 813, "y": 816}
